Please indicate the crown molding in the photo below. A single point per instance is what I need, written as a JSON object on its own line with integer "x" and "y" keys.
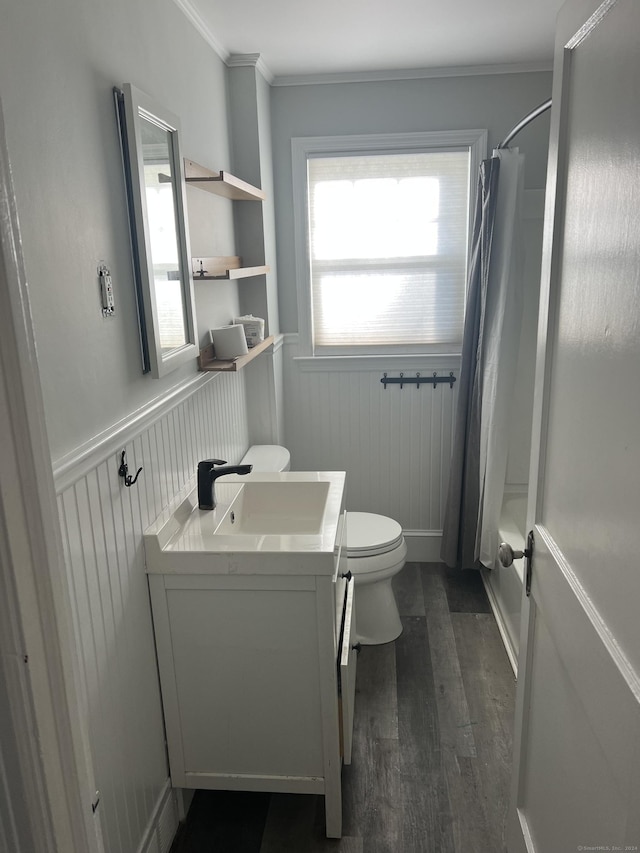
{"x": 252, "y": 60}
{"x": 410, "y": 74}
{"x": 232, "y": 60}
{"x": 199, "y": 23}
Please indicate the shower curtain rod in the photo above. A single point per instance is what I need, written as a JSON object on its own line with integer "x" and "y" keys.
{"x": 524, "y": 122}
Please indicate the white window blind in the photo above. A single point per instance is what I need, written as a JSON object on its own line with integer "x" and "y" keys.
{"x": 388, "y": 250}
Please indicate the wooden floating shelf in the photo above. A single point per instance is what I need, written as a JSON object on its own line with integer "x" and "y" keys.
{"x": 221, "y": 183}
{"x": 223, "y": 269}
{"x": 208, "y": 361}
{"x": 242, "y": 272}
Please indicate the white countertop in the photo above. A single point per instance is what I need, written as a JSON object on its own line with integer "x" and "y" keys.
{"x": 187, "y": 540}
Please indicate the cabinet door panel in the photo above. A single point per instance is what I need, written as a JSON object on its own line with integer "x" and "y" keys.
{"x": 246, "y": 681}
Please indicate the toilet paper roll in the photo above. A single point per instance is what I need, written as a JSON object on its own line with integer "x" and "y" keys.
{"x": 229, "y": 342}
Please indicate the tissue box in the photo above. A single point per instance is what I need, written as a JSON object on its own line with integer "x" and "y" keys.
{"x": 253, "y": 329}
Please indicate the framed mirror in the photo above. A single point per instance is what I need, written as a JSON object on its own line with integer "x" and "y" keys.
{"x": 155, "y": 191}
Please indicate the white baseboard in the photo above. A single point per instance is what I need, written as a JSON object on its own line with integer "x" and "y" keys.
{"x": 423, "y": 546}
{"x": 184, "y": 798}
{"x": 163, "y": 825}
{"x": 497, "y": 613}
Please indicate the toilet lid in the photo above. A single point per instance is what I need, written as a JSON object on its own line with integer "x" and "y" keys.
{"x": 369, "y": 534}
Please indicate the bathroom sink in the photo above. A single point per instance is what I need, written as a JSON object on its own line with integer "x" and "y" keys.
{"x": 263, "y": 523}
{"x": 281, "y": 508}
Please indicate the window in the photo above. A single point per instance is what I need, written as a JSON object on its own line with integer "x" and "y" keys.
{"x": 385, "y": 248}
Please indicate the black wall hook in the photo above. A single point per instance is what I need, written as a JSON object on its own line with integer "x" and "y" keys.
{"x": 123, "y": 471}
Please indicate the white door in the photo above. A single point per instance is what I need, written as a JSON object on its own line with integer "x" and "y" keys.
{"x": 577, "y": 741}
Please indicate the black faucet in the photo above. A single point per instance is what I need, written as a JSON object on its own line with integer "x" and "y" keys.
{"x": 207, "y": 476}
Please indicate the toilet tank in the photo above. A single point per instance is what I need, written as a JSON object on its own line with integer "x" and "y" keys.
{"x": 267, "y": 457}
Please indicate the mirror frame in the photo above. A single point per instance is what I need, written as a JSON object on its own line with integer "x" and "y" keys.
{"x": 134, "y": 106}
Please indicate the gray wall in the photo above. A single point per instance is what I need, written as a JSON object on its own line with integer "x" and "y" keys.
{"x": 496, "y": 102}
{"x": 250, "y": 117}
{"x": 58, "y": 64}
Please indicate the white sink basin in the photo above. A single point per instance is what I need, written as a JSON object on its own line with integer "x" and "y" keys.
{"x": 263, "y": 523}
{"x": 282, "y": 508}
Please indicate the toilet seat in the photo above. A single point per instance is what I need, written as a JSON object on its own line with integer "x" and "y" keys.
{"x": 369, "y": 535}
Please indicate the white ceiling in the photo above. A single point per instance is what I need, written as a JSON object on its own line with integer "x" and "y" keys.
{"x": 306, "y": 37}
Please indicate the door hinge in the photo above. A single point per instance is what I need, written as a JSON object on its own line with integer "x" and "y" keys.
{"x": 528, "y": 553}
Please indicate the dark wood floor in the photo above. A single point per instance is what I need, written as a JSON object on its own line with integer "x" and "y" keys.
{"x": 432, "y": 742}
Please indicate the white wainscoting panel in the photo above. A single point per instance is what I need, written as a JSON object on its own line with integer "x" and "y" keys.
{"x": 102, "y": 525}
{"x": 394, "y": 444}
{"x": 161, "y": 828}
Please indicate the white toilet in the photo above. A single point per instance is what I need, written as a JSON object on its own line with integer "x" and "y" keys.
{"x": 376, "y": 551}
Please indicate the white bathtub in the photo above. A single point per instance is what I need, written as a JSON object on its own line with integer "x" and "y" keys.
{"x": 504, "y": 585}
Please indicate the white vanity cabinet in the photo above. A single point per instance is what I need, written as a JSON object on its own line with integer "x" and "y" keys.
{"x": 257, "y": 673}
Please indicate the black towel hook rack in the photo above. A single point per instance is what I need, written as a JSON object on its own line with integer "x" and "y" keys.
{"x": 403, "y": 380}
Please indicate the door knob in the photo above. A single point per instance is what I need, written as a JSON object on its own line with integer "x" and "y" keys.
{"x": 507, "y": 555}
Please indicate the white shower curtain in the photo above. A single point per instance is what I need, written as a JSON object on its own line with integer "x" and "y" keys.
{"x": 502, "y": 327}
